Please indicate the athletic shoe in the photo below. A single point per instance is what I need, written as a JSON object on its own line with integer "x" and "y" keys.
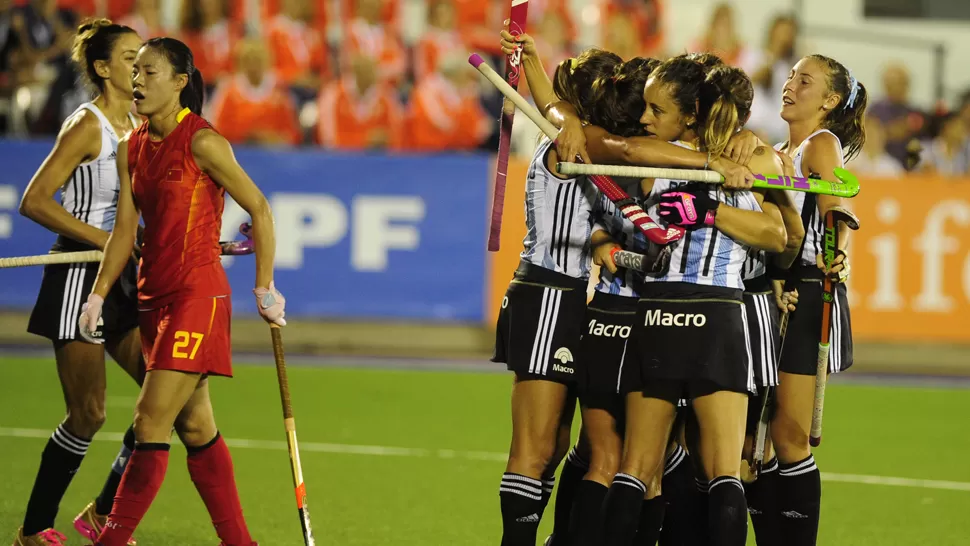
{"x": 47, "y": 537}
{"x": 89, "y": 524}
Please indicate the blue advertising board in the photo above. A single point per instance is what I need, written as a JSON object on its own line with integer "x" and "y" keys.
{"x": 359, "y": 236}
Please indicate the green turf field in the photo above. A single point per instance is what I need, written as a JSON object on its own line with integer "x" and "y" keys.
{"x": 441, "y": 488}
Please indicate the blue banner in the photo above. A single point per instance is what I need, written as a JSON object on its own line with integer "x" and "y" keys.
{"x": 358, "y": 235}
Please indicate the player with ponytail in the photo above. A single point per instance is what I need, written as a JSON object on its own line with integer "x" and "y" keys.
{"x": 824, "y": 106}
{"x": 175, "y": 171}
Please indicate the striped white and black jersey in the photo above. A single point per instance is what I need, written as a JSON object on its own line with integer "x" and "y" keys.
{"x": 91, "y": 194}
{"x": 754, "y": 264}
{"x": 704, "y": 256}
{"x": 558, "y": 218}
{"x": 812, "y": 220}
{"x": 630, "y": 238}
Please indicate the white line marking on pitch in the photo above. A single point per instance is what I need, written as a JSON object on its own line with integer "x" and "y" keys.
{"x": 387, "y": 451}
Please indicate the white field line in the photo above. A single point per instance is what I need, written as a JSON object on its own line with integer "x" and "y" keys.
{"x": 388, "y": 451}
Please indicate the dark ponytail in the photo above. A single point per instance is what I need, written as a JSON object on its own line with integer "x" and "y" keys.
{"x": 723, "y": 106}
{"x": 573, "y": 80}
{"x": 617, "y": 99}
{"x": 95, "y": 40}
{"x": 846, "y": 120}
{"x": 183, "y": 62}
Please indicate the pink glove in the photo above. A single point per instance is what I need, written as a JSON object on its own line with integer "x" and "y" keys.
{"x": 270, "y": 304}
{"x": 90, "y": 320}
{"x": 687, "y": 209}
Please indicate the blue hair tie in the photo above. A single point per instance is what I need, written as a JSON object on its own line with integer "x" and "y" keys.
{"x": 853, "y": 91}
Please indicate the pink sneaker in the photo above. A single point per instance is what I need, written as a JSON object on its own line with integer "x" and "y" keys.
{"x": 47, "y": 537}
{"x": 89, "y": 524}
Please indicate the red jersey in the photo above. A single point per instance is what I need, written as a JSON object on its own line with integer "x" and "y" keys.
{"x": 182, "y": 208}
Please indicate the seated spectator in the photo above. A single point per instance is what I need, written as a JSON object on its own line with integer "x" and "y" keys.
{"x": 368, "y": 36}
{"x": 623, "y": 38}
{"x": 211, "y": 35}
{"x": 769, "y": 68}
{"x": 646, "y": 19}
{"x": 440, "y": 37}
{"x": 146, "y": 19}
{"x": 874, "y": 160}
{"x": 251, "y": 107}
{"x": 321, "y": 13}
{"x": 359, "y": 111}
{"x": 561, "y": 12}
{"x": 902, "y": 120}
{"x": 946, "y": 153}
{"x": 39, "y": 60}
{"x": 478, "y": 21}
{"x": 390, "y": 13}
{"x": 552, "y": 40}
{"x": 445, "y": 112}
{"x": 298, "y": 50}
{"x": 721, "y": 37}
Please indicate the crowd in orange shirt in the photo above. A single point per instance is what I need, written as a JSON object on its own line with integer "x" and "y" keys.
{"x": 339, "y": 74}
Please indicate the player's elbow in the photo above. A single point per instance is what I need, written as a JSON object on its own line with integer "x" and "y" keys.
{"x": 31, "y": 204}
{"x": 796, "y": 234}
{"x": 775, "y": 238}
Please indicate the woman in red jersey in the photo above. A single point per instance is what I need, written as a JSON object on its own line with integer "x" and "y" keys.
{"x": 174, "y": 172}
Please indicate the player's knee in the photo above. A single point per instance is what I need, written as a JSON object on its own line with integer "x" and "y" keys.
{"x": 86, "y": 417}
{"x": 790, "y": 441}
{"x": 195, "y": 429}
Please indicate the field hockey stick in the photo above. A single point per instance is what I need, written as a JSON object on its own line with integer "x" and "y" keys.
{"x": 517, "y": 19}
{"x": 847, "y": 186}
{"x": 833, "y": 217}
{"x": 289, "y": 424}
{"x": 761, "y": 432}
{"x": 229, "y": 248}
{"x": 630, "y": 209}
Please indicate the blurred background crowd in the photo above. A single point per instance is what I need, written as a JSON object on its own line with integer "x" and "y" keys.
{"x": 392, "y": 74}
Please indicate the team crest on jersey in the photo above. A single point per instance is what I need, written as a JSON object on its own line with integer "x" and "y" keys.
{"x": 564, "y": 355}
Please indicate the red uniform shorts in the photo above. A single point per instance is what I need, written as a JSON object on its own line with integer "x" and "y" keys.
{"x": 190, "y": 335}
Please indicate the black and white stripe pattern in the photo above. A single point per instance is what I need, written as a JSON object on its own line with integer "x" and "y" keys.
{"x": 548, "y": 484}
{"x": 72, "y": 300}
{"x": 702, "y": 485}
{"x": 797, "y": 469}
{"x": 752, "y": 388}
{"x": 577, "y": 460}
{"x": 674, "y": 459}
{"x": 545, "y": 334}
{"x": 558, "y": 218}
{"x": 630, "y": 481}
{"x": 70, "y": 442}
{"x": 814, "y": 230}
{"x": 770, "y": 466}
{"x": 835, "y": 337}
{"x": 725, "y": 480}
{"x": 520, "y": 485}
{"x": 763, "y": 349}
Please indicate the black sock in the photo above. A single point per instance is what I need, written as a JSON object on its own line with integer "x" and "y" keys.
{"x": 106, "y": 499}
{"x": 699, "y": 534}
{"x": 548, "y": 484}
{"x": 569, "y": 484}
{"x": 678, "y": 491}
{"x": 586, "y": 521}
{"x": 61, "y": 458}
{"x": 799, "y": 496}
{"x": 762, "y": 504}
{"x": 651, "y": 520}
{"x": 728, "y": 512}
{"x": 622, "y": 510}
{"x": 521, "y": 501}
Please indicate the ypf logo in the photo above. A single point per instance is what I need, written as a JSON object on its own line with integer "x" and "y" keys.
{"x": 564, "y": 356}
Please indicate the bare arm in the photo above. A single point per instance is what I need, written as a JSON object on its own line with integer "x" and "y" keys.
{"x": 822, "y": 155}
{"x": 763, "y": 229}
{"x": 214, "y": 156}
{"x": 117, "y": 251}
{"x": 78, "y": 141}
